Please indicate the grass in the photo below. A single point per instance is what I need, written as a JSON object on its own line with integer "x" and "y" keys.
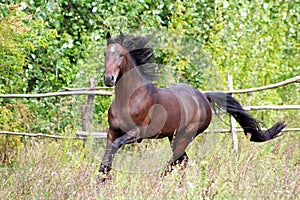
{"x": 49, "y": 169}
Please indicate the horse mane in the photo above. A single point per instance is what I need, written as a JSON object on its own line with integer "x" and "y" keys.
{"x": 141, "y": 52}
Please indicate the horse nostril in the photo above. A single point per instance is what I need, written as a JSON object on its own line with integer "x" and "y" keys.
{"x": 109, "y": 80}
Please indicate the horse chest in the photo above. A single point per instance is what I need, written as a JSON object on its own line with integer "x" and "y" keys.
{"x": 127, "y": 118}
{"x": 131, "y": 109}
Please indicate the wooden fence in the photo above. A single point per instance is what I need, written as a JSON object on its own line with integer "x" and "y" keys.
{"x": 103, "y": 91}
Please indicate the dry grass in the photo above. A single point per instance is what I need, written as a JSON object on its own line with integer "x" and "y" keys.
{"x": 48, "y": 169}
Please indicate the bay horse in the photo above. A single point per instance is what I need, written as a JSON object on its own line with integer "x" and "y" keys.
{"x": 141, "y": 110}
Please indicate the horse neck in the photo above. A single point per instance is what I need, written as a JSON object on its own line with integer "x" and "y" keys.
{"x": 130, "y": 80}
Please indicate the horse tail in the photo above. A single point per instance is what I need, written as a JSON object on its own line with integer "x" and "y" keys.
{"x": 222, "y": 101}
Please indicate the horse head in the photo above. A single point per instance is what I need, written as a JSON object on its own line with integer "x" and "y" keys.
{"x": 115, "y": 54}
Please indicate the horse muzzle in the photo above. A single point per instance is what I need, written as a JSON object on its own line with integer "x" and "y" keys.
{"x": 109, "y": 80}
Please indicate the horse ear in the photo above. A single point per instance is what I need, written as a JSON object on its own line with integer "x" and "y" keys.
{"x": 108, "y": 36}
{"x": 122, "y": 37}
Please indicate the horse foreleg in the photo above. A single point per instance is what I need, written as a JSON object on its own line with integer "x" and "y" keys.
{"x": 130, "y": 137}
{"x": 110, "y": 150}
{"x": 112, "y": 146}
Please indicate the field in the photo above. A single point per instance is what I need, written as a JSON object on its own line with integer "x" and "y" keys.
{"x": 64, "y": 169}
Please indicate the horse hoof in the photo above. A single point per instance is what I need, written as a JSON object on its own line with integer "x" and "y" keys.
{"x": 168, "y": 169}
{"x": 104, "y": 169}
{"x": 104, "y": 179}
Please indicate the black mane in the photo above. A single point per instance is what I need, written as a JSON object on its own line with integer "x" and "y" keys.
{"x": 140, "y": 51}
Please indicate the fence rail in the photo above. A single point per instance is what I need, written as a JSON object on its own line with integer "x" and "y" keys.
{"x": 284, "y": 107}
{"x": 82, "y": 135}
{"x": 94, "y": 91}
{"x": 267, "y": 87}
{"x": 55, "y": 94}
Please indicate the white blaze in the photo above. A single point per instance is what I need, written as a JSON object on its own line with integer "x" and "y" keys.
{"x": 113, "y": 49}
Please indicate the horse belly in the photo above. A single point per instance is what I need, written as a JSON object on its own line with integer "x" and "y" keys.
{"x": 167, "y": 114}
{"x": 187, "y": 109}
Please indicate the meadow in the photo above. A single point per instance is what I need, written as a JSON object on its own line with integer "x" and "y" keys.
{"x": 64, "y": 169}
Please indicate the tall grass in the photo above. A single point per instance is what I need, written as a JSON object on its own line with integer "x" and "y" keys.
{"x": 49, "y": 169}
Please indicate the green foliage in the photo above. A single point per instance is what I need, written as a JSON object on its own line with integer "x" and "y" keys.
{"x": 258, "y": 43}
{"x": 13, "y": 117}
{"x": 35, "y": 59}
{"x": 255, "y": 40}
{"x": 11, "y": 55}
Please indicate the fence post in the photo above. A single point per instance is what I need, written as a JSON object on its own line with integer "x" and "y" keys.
{"x": 87, "y": 109}
{"x": 232, "y": 120}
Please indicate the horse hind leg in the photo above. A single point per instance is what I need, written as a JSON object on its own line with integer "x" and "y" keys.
{"x": 179, "y": 143}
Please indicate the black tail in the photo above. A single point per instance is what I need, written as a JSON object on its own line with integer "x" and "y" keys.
{"x": 248, "y": 123}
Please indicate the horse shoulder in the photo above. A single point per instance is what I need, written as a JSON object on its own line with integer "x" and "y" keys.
{"x": 141, "y": 102}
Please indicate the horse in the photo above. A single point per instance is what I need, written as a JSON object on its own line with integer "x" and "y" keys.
{"x": 141, "y": 110}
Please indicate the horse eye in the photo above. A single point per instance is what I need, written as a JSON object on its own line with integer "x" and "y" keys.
{"x": 121, "y": 55}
